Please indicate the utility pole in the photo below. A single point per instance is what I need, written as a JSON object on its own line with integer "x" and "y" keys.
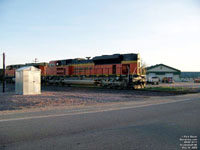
{"x": 35, "y": 60}
{"x": 3, "y": 72}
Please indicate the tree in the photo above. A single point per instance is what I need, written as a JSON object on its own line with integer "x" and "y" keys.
{"x": 143, "y": 67}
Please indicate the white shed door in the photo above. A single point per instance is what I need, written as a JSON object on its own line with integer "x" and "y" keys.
{"x": 36, "y": 82}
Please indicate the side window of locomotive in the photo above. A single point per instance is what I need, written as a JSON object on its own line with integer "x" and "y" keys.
{"x": 51, "y": 65}
{"x": 9, "y": 68}
{"x": 58, "y": 63}
{"x": 125, "y": 69}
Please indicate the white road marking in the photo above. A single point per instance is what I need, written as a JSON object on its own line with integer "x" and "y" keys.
{"x": 88, "y": 112}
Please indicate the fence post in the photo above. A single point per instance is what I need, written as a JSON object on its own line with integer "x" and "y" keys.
{"x": 3, "y": 72}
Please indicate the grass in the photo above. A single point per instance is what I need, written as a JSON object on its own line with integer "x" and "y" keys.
{"x": 180, "y": 90}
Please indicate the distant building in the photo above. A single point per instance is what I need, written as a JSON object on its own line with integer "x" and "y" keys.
{"x": 161, "y": 71}
{"x": 189, "y": 76}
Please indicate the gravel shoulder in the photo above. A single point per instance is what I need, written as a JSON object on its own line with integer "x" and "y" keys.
{"x": 58, "y": 97}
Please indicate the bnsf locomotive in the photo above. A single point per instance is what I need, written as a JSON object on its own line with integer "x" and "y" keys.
{"x": 118, "y": 70}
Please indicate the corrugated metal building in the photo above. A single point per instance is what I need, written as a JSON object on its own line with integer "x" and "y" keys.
{"x": 161, "y": 71}
{"x": 189, "y": 76}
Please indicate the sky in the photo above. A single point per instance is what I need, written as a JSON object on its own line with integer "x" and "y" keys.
{"x": 161, "y": 31}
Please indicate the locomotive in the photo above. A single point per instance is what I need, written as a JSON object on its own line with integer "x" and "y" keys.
{"x": 10, "y": 70}
{"x": 113, "y": 71}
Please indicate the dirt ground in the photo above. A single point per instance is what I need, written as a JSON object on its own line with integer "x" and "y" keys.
{"x": 53, "y": 96}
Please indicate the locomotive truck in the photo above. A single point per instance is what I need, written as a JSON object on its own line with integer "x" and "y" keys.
{"x": 113, "y": 71}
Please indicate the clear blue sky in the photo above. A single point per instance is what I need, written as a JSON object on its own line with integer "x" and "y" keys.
{"x": 162, "y": 31}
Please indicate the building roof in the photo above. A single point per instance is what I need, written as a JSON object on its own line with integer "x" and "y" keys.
{"x": 28, "y": 68}
{"x": 151, "y": 67}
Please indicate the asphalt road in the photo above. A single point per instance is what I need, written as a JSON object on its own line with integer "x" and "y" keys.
{"x": 156, "y": 126}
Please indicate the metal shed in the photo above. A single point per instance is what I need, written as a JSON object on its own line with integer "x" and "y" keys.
{"x": 161, "y": 71}
{"x": 28, "y": 80}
